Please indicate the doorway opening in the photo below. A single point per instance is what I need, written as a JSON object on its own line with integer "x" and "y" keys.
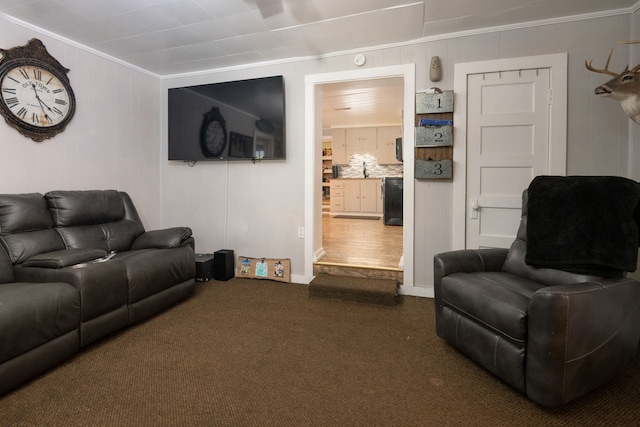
{"x": 361, "y": 122}
{"x": 324, "y": 225}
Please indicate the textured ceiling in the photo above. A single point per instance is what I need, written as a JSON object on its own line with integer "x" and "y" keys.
{"x": 167, "y": 37}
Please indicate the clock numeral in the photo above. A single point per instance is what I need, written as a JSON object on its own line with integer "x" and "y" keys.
{"x": 22, "y": 113}
{"x": 9, "y": 77}
{"x": 35, "y": 118}
{"x": 9, "y": 90}
{"x": 37, "y": 74}
{"x": 12, "y": 102}
{"x": 49, "y": 81}
{"x": 24, "y": 73}
{"x": 60, "y": 101}
{"x": 56, "y": 110}
{"x": 56, "y": 90}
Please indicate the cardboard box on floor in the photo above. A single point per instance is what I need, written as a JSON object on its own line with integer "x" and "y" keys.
{"x": 278, "y": 269}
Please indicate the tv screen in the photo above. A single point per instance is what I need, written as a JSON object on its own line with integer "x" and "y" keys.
{"x": 237, "y": 120}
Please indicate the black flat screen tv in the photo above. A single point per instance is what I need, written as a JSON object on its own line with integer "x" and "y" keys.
{"x": 236, "y": 120}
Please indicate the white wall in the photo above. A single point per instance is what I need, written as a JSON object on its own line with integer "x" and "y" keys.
{"x": 111, "y": 143}
{"x": 265, "y": 224}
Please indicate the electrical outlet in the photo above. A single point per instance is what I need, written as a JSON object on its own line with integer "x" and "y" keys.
{"x": 300, "y": 232}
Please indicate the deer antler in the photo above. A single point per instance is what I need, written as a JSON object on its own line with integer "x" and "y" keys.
{"x": 624, "y": 87}
{"x": 637, "y": 67}
{"x": 606, "y": 66}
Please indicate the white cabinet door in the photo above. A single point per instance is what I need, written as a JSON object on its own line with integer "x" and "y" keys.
{"x": 352, "y": 195}
{"x": 338, "y": 147}
{"x": 368, "y": 196}
{"x": 361, "y": 141}
{"x": 362, "y": 196}
{"x": 387, "y": 144}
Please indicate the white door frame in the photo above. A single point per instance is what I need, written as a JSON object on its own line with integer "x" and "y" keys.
{"x": 557, "y": 122}
{"x": 313, "y": 138}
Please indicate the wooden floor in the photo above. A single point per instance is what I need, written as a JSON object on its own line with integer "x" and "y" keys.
{"x": 365, "y": 247}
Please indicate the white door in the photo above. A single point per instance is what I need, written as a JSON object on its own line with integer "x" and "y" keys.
{"x": 508, "y": 144}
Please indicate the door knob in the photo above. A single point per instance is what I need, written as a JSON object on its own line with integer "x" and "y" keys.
{"x": 474, "y": 206}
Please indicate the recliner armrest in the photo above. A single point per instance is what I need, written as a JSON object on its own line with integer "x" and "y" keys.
{"x": 580, "y": 336}
{"x": 468, "y": 261}
{"x": 162, "y": 239}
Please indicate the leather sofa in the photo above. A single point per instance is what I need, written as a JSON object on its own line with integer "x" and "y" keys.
{"x": 551, "y": 334}
{"x": 76, "y": 266}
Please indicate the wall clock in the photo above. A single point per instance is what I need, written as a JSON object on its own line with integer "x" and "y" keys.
{"x": 213, "y": 133}
{"x": 35, "y": 93}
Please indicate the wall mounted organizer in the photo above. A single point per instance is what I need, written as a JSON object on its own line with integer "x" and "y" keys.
{"x": 434, "y": 135}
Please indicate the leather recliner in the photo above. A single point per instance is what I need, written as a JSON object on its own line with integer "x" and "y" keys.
{"x": 551, "y": 334}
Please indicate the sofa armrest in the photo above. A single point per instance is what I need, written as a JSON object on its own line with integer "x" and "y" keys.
{"x": 162, "y": 239}
{"x": 64, "y": 258}
{"x": 580, "y": 336}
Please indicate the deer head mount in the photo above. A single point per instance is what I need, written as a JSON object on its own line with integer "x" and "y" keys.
{"x": 624, "y": 87}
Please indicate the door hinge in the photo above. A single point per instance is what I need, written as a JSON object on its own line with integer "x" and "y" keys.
{"x": 550, "y": 96}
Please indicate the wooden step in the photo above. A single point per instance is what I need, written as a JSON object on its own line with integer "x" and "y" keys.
{"x": 358, "y": 289}
{"x": 374, "y": 272}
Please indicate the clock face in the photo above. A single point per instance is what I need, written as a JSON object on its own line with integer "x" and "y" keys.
{"x": 213, "y": 133}
{"x": 36, "y": 96}
{"x": 214, "y": 137}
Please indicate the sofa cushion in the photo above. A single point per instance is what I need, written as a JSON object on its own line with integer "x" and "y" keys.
{"x": 32, "y": 314}
{"x": 69, "y": 208}
{"x": 110, "y": 236}
{"x": 23, "y": 212}
{"x": 498, "y": 300}
{"x": 26, "y": 226}
{"x": 151, "y": 271}
{"x": 515, "y": 264}
{"x": 93, "y": 219}
{"x": 6, "y": 267}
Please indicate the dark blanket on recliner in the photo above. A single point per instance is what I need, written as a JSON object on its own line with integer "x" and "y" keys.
{"x": 583, "y": 224}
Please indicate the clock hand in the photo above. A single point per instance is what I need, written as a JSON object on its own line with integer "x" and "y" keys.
{"x": 42, "y": 104}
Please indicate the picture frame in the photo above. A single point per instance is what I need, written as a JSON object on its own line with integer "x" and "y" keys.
{"x": 240, "y": 145}
{"x": 262, "y": 144}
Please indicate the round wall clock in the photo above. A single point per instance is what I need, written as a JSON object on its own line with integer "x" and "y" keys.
{"x": 213, "y": 133}
{"x": 36, "y": 97}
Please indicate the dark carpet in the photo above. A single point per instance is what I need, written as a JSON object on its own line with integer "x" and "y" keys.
{"x": 262, "y": 353}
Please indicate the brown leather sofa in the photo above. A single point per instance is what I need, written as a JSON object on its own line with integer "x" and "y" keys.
{"x": 76, "y": 266}
{"x": 552, "y": 334}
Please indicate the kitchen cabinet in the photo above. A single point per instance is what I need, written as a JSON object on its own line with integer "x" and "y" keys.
{"x": 339, "y": 147}
{"x": 387, "y": 144}
{"x": 356, "y": 197}
{"x": 327, "y": 173}
{"x": 337, "y": 196}
{"x": 361, "y": 141}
